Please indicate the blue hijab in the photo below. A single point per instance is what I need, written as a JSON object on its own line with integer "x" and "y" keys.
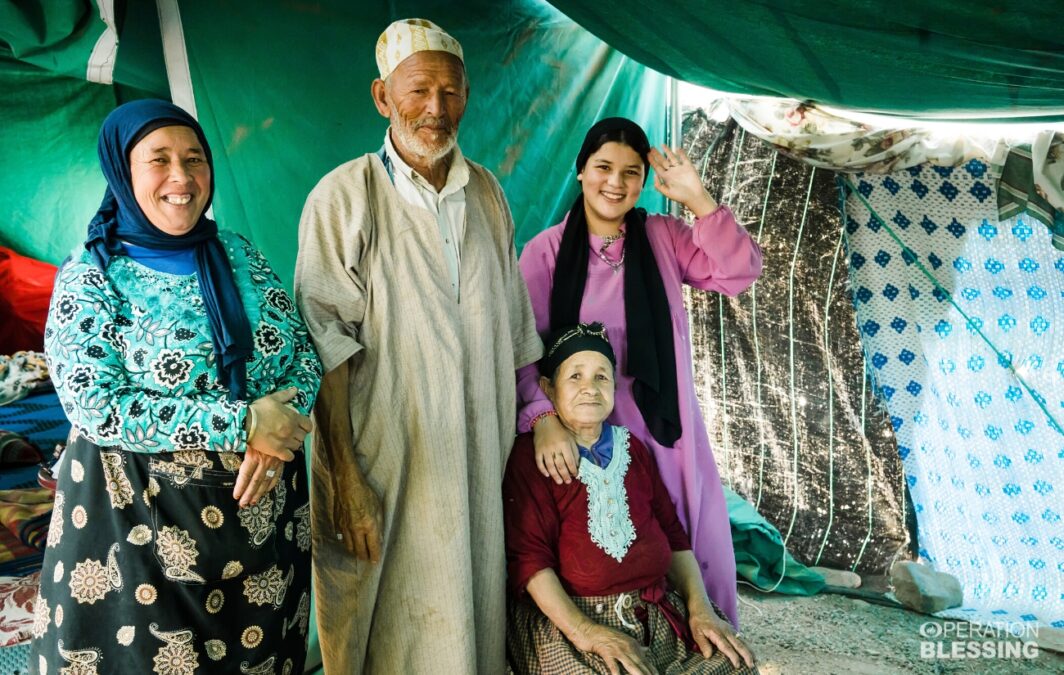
{"x": 120, "y": 219}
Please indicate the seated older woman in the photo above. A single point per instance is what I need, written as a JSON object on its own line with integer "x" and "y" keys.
{"x": 604, "y": 559}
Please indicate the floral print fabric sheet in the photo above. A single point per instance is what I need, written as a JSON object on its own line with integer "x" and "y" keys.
{"x": 16, "y": 608}
{"x": 818, "y": 137}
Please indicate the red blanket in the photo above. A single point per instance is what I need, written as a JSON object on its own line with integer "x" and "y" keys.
{"x": 25, "y": 289}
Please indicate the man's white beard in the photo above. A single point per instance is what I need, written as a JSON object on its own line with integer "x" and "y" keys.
{"x": 408, "y": 138}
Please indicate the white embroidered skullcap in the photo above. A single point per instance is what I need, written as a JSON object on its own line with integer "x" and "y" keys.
{"x": 405, "y": 37}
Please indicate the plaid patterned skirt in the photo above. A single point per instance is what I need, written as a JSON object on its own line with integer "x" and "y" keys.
{"x": 535, "y": 646}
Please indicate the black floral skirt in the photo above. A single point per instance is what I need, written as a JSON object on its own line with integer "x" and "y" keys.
{"x": 150, "y": 567}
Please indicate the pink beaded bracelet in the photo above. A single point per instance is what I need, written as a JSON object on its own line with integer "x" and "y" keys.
{"x": 542, "y": 415}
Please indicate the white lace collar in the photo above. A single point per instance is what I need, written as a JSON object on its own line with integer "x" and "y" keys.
{"x": 608, "y": 519}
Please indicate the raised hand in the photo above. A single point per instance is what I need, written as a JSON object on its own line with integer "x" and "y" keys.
{"x": 676, "y": 178}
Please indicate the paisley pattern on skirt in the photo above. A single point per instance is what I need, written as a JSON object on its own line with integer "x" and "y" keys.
{"x": 152, "y": 565}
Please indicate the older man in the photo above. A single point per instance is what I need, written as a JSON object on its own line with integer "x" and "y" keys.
{"x": 408, "y": 280}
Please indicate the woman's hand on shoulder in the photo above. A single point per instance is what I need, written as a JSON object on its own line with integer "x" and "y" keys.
{"x": 557, "y": 456}
{"x": 621, "y": 652}
{"x": 712, "y": 633}
{"x": 675, "y": 177}
{"x": 280, "y": 428}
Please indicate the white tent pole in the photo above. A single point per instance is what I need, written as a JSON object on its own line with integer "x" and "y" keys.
{"x": 176, "y": 56}
{"x": 101, "y": 65}
{"x": 674, "y": 136}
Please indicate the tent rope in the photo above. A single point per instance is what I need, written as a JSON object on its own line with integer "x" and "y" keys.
{"x": 831, "y": 399}
{"x": 790, "y": 330}
{"x": 864, "y": 544}
{"x": 721, "y": 135}
{"x": 725, "y": 440}
{"x": 868, "y": 468}
{"x": 864, "y": 394}
{"x": 757, "y": 341}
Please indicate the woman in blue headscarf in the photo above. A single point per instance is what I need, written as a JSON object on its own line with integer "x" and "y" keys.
{"x": 180, "y": 538}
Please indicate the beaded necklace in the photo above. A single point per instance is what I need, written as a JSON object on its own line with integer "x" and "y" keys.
{"x": 607, "y": 241}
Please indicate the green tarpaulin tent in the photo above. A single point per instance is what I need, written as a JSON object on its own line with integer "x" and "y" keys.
{"x": 283, "y": 94}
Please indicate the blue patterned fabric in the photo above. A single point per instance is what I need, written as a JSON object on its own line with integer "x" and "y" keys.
{"x": 976, "y": 416}
{"x": 14, "y": 660}
{"x": 39, "y": 417}
{"x": 131, "y": 353}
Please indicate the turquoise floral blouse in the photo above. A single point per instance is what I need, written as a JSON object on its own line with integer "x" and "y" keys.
{"x": 131, "y": 356}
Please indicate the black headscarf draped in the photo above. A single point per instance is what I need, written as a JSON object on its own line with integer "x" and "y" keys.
{"x": 651, "y": 357}
{"x": 120, "y": 219}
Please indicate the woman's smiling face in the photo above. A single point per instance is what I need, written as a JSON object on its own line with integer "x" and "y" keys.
{"x": 582, "y": 390}
{"x": 171, "y": 178}
{"x": 612, "y": 180}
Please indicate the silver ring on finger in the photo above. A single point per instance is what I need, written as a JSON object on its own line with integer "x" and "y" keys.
{"x": 270, "y": 473}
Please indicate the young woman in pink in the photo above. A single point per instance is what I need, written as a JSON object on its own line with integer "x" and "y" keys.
{"x": 610, "y": 262}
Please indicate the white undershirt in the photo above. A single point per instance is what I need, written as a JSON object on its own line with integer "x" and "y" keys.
{"x": 448, "y": 205}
